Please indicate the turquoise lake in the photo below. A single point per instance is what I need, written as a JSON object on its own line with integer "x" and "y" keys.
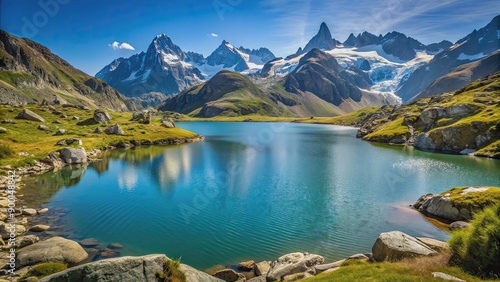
{"x": 253, "y": 191}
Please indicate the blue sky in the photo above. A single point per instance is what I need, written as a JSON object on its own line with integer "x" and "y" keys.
{"x": 83, "y": 31}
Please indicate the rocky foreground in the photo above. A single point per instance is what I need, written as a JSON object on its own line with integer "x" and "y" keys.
{"x": 391, "y": 246}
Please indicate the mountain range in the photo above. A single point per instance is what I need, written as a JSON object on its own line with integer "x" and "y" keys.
{"x": 326, "y": 77}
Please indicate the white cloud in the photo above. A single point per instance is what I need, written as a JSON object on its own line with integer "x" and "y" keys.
{"x": 125, "y": 46}
{"x": 214, "y": 34}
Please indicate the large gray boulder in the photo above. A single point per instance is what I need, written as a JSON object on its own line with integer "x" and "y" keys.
{"x": 55, "y": 249}
{"x": 291, "y": 264}
{"x": 30, "y": 115}
{"x": 101, "y": 116}
{"x": 73, "y": 155}
{"x": 114, "y": 130}
{"x": 396, "y": 245}
{"x": 137, "y": 269}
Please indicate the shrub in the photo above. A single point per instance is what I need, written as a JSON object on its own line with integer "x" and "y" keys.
{"x": 477, "y": 248}
{"x": 45, "y": 269}
{"x": 5, "y": 151}
{"x": 171, "y": 272}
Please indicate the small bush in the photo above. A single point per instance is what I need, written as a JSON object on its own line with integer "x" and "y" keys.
{"x": 5, "y": 151}
{"x": 171, "y": 272}
{"x": 45, "y": 269}
{"x": 477, "y": 248}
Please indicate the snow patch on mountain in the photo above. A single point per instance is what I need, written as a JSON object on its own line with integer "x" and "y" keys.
{"x": 465, "y": 57}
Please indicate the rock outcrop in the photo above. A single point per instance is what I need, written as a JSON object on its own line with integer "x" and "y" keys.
{"x": 73, "y": 155}
{"x": 230, "y": 275}
{"x": 293, "y": 263}
{"x": 55, "y": 249}
{"x": 396, "y": 245}
{"x": 444, "y": 207}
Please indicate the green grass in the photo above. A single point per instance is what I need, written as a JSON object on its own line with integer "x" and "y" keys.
{"x": 23, "y": 135}
{"x": 171, "y": 272}
{"x": 475, "y": 201}
{"x": 415, "y": 270}
{"x": 347, "y": 119}
{"x": 6, "y": 151}
{"x": 389, "y": 131}
{"x": 14, "y": 78}
{"x": 45, "y": 269}
{"x": 477, "y": 248}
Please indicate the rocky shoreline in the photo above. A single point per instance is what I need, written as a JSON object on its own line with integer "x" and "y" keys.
{"x": 391, "y": 246}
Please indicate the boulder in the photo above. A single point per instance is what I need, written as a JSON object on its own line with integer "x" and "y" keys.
{"x": 261, "y": 268}
{"x": 246, "y": 265}
{"x": 3, "y": 129}
{"x": 193, "y": 275}
{"x": 106, "y": 254}
{"x": 456, "y": 225}
{"x": 29, "y": 115}
{"x": 291, "y": 264}
{"x": 39, "y": 228}
{"x": 114, "y": 130}
{"x": 61, "y": 132}
{"x": 29, "y": 212}
{"x": 229, "y": 275}
{"x": 101, "y": 116}
{"x": 26, "y": 240}
{"x": 78, "y": 141}
{"x": 89, "y": 242}
{"x": 441, "y": 206}
{"x": 115, "y": 246}
{"x": 98, "y": 130}
{"x": 428, "y": 116}
{"x": 137, "y": 269}
{"x": 396, "y": 245}
{"x": 73, "y": 155}
{"x": 168, "y": 123}
{"x": 5, "y": 230}
{"x": 57, "y": 121}
{"x": 460, "y": 111}
{"x": 55, "y": 249}
{"x": 62, "y": 143}
{"x": 434, "y": 244}
{"x": 44, "y": 210}
{"x": 43, "y": 127}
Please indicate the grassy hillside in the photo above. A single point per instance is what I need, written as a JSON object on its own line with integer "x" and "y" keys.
{"x": 468, "y": 118}
{"x": 30, "y": 73}
{"x": 24, "y": 135}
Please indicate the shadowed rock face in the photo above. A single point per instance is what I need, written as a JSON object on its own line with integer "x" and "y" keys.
{"x": 320, "y": 74}
{"x": 479, "y": 43}
{"x": 322, "y": 40}
{"x": 462, "y": 75}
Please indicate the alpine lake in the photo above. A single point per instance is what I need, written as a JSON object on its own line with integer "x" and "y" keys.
{"x": 252, "y": 191}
